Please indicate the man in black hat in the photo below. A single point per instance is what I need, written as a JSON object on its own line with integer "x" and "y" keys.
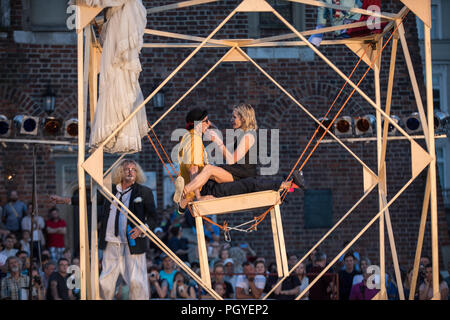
{"x": 192, "y": 155}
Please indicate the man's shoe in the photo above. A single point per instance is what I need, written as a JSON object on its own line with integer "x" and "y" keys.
{"x": 179, "y": 187}
{"x": 299, "y": 179}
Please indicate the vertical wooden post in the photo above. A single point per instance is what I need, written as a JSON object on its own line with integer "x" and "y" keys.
{"x": 278, "y": 241}
{"x": 81, "y": 174}
{"x": 423, "y": 221}
{"x": 382, "y": 173}
{"x": 432, "y": 169}
{"x": 202, "y": 252}
{"x": 376, "y": 69}
{"x": 276, "y": 244}
{"x": 94, "y": 243}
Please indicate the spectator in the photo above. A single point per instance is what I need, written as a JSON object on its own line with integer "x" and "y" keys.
{"x": 122, "y": 289}
{"x": 213, "y": 248}
{"x": 16, "y": 243}
{"x": 356, "y": 257}
{"x": 76, "y": 261}
{"x": 219, "y": 288}
{"x": 67, "y": 253}
{"x": 448, "y": 277}
{"x": 223, "y": 254}
{"x": 13, "y": 212}
{"x": 303, "y": 279}
{"x": 154, "y": 250}
{"x": 25, "y": 241}
{"x": 288, "y": 290}
{"x": 361, "y": 291}
{"x": 180, "y": 288}
{"x": 322, "y": 289}
{"x": 218, "y": 277}
{"x": 9, "y": 250}
{"x": 346, "y": 276}
{"x": 290, "y": 287}
{"x": 3, "y": 231}
{"x": 38, "y": 225}
{"x": 24, "y": 261}
{"x": 260, "y": 267}
{"x": 48, "y": 269}
{"x": 38, "y": 290}
{"x": 250, "y": 254}
{"x": 158, "y": 288}
{"x": 212, "y": 232}
{"x": 168, "y": 271}
{"x": 14, "y": 285}
{"x": 57, "y": 288}
{"x": 424, "y": 261}
{"x": 364, "y": 263}
{"x": 249, "y": 285}
{"x": 426, "y": 288}
{"x": 239, "y": 257}
{"x": 177, "y": 243}
{"x": 228, "y": 266}
{"x": 56, "y": 230}
{"x": 407, "y": 282}
{"x": 312, "y": 260}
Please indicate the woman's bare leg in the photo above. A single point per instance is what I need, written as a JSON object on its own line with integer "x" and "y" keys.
{"x": 209, "y": 172}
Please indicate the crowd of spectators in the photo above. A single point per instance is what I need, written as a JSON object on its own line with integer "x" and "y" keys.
{"x": 237, "y": 272}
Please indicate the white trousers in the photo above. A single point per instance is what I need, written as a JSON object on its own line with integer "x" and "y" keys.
{"x": 133, "y": 268}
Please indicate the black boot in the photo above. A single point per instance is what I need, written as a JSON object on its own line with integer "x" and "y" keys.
{"x": 299, "y": 179}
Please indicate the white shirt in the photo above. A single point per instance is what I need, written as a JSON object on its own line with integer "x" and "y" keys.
{"x": 110, "y": 236}
{"x": 26, "y": 225}
{"x": 242, "y": 282}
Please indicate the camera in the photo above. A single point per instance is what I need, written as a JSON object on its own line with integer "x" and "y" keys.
{"x": 152, "y": 275}
{"x": 37, "y": 280}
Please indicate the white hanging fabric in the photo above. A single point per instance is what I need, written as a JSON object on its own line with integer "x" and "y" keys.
{"x": 119, "y": 89}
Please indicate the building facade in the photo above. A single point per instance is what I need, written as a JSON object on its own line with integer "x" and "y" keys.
{"x": 38, "y": 51}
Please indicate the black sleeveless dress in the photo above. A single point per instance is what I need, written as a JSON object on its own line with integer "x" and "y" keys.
{"x": 245, "y": 167}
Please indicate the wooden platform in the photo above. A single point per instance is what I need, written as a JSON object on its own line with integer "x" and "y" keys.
{"x": 240, "y": 203}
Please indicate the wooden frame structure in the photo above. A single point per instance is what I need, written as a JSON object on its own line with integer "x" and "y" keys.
{"x": 88, "y": 68}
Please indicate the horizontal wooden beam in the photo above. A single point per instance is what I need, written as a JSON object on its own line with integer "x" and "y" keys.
{"x": 178, "y": 5}
{"x": 265, "y": 44}
{"x": 241, "y": 202}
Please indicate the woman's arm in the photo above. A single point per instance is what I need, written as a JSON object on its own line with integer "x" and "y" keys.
{"x": 246, "y": 143}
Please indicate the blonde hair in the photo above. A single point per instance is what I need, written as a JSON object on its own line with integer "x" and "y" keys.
{"x": 118, "y": 173}
{"x": 247, "y": 115}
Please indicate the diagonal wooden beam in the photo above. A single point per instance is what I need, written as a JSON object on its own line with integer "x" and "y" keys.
{"x": 414, "y": 83}
{"x": 178, "y": 5}
{"x": 423, "y": 222}
{"x": 188, "y": 37}
{"x": 384, "y": 15}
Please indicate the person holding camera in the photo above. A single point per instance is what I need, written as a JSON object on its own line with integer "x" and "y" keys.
{"x": 180, "y": 289}
{"x": 37, "y": 290}
{"x": 157, "y": 288}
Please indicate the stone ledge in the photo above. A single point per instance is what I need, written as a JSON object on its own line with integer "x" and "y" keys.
{"x": 46, "y": 38}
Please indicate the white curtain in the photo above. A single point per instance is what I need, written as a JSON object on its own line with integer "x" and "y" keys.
{"x": 119, "y": 89}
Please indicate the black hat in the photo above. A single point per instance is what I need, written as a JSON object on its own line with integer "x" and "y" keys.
{"x": 196, "y": 114}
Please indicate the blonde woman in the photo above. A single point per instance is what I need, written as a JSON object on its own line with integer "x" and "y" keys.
{"x": 238, "y": 164}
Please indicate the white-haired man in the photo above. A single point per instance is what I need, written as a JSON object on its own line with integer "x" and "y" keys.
{"x": 125, "y": 254}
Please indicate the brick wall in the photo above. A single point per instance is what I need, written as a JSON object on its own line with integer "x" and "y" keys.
{"x": 26, "y": 69}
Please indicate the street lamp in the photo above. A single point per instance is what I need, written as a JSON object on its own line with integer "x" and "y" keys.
{"x": 48, "y": 101}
